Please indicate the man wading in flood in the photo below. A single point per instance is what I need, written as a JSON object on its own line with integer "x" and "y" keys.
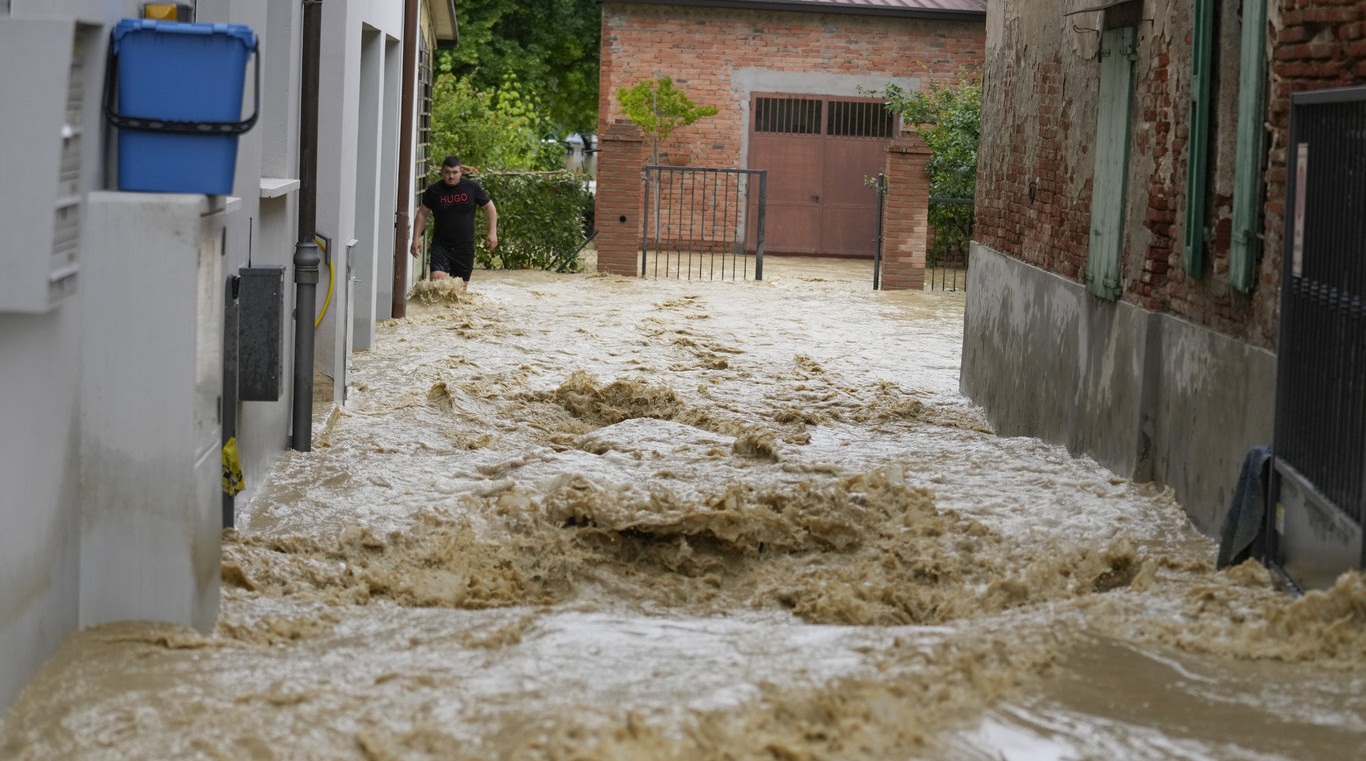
{"x": 451, "y": 203}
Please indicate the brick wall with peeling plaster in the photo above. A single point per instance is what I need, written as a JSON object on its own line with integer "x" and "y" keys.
{"x": 1039, "y": 114}
{"x": 1176, "y": 381}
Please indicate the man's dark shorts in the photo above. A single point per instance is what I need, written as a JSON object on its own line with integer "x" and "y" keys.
{"x": 456, "y": 261}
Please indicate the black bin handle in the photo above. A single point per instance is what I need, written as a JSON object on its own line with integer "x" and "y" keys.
{"x": 174, "y": 126}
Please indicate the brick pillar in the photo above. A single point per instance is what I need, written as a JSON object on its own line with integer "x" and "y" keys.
{"x": 906, "y": 212}
{"x": 620, "y": 198}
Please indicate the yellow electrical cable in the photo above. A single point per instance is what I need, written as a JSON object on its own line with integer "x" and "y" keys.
{"x": 232, "y": 468}
{"x": 331, "y": 281}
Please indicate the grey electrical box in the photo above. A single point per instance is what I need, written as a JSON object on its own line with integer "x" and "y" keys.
{"x": 260, "y": 333}
{"x": 51, "y": 67}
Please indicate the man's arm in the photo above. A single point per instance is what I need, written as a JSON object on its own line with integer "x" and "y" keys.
{"x": 491, "y": 214}
{"x": 419, "y": 227}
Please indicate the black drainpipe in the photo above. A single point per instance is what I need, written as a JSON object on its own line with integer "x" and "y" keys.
{"x": 306, "y": 258}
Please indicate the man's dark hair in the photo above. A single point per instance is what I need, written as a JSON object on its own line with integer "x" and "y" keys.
{"x": 451, "y": 161}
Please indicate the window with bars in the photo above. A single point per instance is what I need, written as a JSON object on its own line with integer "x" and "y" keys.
{"x": 424, "y": 118}
{"x": 819, "y": 116}
{"x": 860, "y": 119}
{"x": 788, "y": 116}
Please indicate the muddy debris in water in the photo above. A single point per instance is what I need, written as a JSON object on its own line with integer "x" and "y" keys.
{"x": 439, "y": 562}
{"x": 919, "y": 691}
{"x": 867, "y": 550}
{"x": 1240, "y": 612}
{"x": 759, "y": 446}
{"x": 451, "y": 290}
{"x": 821, "y": 398}
{"x": 890, "y": 403}
{"x": 599, "y": 405}
{"x": 612, "y": 518}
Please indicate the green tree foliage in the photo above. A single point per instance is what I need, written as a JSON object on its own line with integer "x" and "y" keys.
{"x": 549, "y": 46}
{"x": 659, "y": 108}
{"x": 495, "y": 129}
{"x": 540, "y": 220}
{"x": 949, "y": 116}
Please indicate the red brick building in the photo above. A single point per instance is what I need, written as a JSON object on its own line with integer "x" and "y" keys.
{"x": 790, "y": 80}
{"x": 1125, "y": 288}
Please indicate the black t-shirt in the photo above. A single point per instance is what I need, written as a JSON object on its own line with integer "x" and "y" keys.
{"x": 453, "y": 210}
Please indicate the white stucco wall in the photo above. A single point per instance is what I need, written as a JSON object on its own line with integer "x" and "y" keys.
{"x": 349, "y": 123}
{"x": 268, "y": 157}
{"x": 152, "y": 367}
{"x": 40, "y": 374}
{"x": 39, "y": 500}
{"x": 58, "y": 451}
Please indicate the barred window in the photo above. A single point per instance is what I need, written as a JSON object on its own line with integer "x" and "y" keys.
{"x": 424, "y": 118}
{"x": 789, "y": 116}
{"x": 860, "y": 119}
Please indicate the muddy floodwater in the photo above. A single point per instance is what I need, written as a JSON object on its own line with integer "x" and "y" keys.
{"x": 590, "y": 517}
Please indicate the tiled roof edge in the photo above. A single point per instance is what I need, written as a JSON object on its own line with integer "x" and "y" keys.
{"x": 815, "y": 6}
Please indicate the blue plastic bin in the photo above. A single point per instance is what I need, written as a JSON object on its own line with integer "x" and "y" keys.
{"x": 179, "y": 110}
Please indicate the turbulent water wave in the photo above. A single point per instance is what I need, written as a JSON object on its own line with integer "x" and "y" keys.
{"x": 589, "y": 517}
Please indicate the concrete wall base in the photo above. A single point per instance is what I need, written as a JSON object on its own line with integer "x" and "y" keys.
{"x": 1147, "y": 395}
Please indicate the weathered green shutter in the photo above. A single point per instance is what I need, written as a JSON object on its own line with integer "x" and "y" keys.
{"x": 1112, "y": 163}
{"x": 1197, "y": 147}
{"x": 1247, "y": 172}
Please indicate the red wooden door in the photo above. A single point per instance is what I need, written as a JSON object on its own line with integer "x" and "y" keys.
{"x": 817, "y": 152}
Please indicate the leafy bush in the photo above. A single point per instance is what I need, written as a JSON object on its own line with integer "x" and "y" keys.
{"x": 659, "y": 108}
{"x": 496, "y": 130}
{"x": 552, "y": 46}
{"x": 949, "y": 117}
{"x": 540, "y": 220}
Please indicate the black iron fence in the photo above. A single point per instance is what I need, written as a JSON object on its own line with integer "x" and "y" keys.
{"x": 703, "y": 223}
{"x": 947, "y": 243}
{"x": 1319, "y": 478}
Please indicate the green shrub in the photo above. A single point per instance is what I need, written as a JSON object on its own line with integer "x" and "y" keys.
{"x": 541, "y": 220}
{"x": 493, "y": 130}
{"x": 659, "y": 108}
{"x": 949, "y": 117}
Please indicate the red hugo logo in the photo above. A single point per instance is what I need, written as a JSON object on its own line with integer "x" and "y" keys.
{"x": 455, "y": 198}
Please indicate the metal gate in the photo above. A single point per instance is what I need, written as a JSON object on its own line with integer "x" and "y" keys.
{"x": 703, "y": 223}
{"x": 947, "y": 243}
{"x": 1314, "y": 526}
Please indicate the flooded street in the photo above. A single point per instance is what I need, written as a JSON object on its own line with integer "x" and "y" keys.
{"x": 589, "y": 517}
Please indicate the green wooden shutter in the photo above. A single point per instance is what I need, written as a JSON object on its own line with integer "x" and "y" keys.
{"x": 1197, "y": 147}
{"x": 1247, "y": 172}
{"x": 1112, "y": 163}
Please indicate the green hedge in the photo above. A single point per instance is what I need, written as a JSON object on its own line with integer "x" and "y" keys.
{"x": 949, "y": 117}
{"x": 542, "y": 220}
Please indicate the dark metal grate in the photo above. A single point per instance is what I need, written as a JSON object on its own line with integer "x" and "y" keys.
{"x": 948, "y": 243}
{"x": 1321, "y": 388}
{"x": 788, "y": 116}
{"x": 703, "y": 223}
{"x": 421, "y": 170}
{"x": 848, "y": 118}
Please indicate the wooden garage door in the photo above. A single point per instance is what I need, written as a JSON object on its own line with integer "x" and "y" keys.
{"x": 817, "y": 152}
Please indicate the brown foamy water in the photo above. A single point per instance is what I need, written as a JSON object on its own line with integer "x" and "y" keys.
{"x": 590, "y": 517}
